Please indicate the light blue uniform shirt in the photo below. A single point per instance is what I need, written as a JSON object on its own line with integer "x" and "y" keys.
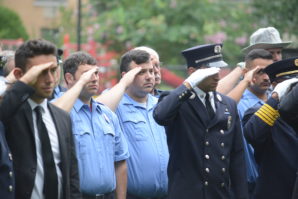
{"x": 147, "y": 144}
{"x": 247, "y": 101}
{"x": 99, "y": 143}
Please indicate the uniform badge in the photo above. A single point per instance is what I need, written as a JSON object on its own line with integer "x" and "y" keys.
{"x": 229, "y": 121}
{"x": 217, "y": 49}
{"x": 219, "y": 97}
{"x": 106, "y": 118}
{"x": 296, "y": 62}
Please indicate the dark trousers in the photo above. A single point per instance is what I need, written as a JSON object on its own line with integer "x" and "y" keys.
{"x": 104, "y": 196}
{"x": 251, "y": 189}
{"x": 130, "y": 196}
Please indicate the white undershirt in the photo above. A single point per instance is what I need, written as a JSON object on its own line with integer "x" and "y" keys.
{"x": 37, "y": 192}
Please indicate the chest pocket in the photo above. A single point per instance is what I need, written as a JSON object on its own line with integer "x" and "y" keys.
{"x": 135, "y": 126}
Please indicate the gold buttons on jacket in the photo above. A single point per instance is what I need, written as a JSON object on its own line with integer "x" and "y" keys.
{"x": 222, "y": 184}
{"x": 10, "y": 174}
{"x": 206, "y": 143}
{"x": 222, "y": 132}
{"x": 207, "y": 170}
{"x": 10, "y": 188}
{"x": 206, "y": 183}
{"x": 223, "y": 170}
{"x": 207, "y": 157}
{"x": 223, "y": 157}
{"x": 222, "y": 144}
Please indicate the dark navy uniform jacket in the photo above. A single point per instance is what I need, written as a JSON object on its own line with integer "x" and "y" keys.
{"x": 276, "y": 151}
{"x": 6, "y": 168}
{"x": 289, "y": 112}
{"x": 206, "y": 157}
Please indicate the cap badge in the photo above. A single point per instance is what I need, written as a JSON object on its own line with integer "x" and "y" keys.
{"x": 296, "y": 62}
{"x": 217, "y": 49}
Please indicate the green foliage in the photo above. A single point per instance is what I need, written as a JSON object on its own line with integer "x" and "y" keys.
{"x": 169, "y": 26}
{"x": 11, "y": 26}
{"x": 282, "y": 14}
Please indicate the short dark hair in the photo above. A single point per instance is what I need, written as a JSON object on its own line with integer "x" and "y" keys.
{"x": 257, "y": 53}
{"x": 32, "y": 48}
{"x": 138, "y": 56}
{"x": 71, "y": 64}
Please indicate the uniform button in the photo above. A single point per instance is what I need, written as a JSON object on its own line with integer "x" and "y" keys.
{"x": 206, "y": 183}
{"x": 222, "y": 131}
{"x": 10, "y": 156}
{"x": 10, "y": 188}
{"x": 207, "y": 157}
{"x": 207, "y": 130}
{"x": 207, "y": 170}
{"x": 10, "y": 174}
{"x": 222, "y": 184}
{"x": 206, "y": 143}
{"x": 182, "y": 94}
{"x": 179, "y": 96}
{"x": 223, "y": 157}
{"x": 223, "y": 170}
{"x": 222, "y": 144}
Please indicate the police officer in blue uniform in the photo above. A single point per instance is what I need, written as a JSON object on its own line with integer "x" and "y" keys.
{"x": 203, "y": 132}
{"x": 275, "y": 142}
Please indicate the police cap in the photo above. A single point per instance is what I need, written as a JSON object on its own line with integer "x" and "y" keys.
{"x": 284, "y": 69}
{"x": 204, "y": 55}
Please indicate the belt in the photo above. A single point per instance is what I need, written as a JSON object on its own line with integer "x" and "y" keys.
{"x": 98, "y": 196}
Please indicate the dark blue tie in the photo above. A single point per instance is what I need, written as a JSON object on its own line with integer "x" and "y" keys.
{"x": 50, "y": 188}
{"x": 209, "y": 108}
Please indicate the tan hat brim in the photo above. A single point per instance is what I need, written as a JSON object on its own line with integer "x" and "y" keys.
{"x": 265, "y": 46}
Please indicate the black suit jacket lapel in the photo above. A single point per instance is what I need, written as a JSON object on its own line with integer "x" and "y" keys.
{"x": 27, "y": 111}
{"x": 199, "y": 109}
{"x": 221, "y": 108}
{"x": 61, "y": 137}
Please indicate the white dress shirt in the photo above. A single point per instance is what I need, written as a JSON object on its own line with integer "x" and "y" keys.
{"x": 37, "y": 192}
{"x": 201, "y": 95}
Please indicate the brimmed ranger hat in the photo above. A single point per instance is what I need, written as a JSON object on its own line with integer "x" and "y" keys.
{"x": 282, "y": 70}
{"x": 204, "y": 55}
{"x": 265, "y": 38}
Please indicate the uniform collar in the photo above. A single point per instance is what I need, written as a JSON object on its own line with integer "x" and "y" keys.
{"x": 79, "y": 105}
{"x": 201, "y": 94}
{"x": 151, "y": 101}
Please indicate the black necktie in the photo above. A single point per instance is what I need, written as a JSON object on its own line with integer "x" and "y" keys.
{"x": 50, "y": 188}
{"x": 209, "y": 108}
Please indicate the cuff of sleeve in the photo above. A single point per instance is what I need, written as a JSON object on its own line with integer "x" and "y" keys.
{"x": 268, "y": 113}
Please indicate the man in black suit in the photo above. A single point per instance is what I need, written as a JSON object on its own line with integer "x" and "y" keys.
{"x": 38, "y": 133}
{"x": 203, "y": 132}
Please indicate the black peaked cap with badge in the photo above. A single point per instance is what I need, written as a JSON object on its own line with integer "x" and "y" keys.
{"x": 284, "y": 69}
{"x": 208, "y": 55}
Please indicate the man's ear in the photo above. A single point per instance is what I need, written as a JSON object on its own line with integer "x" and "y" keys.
{"x": 122, "y": 74}
{"x": 18, "y": 73}
{"x": 190, "y": 70}
{"x": 68, "y": 78}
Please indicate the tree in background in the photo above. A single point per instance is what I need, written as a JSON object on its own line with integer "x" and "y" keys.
{"x": 170, "y": 26}
{"x": 11, "y": 26}
{"x": 282, "y": 14}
